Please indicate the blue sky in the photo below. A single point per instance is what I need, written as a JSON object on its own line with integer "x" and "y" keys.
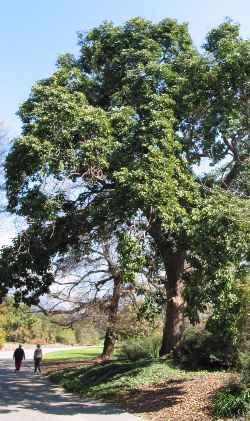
{"x": 34, "y": 32}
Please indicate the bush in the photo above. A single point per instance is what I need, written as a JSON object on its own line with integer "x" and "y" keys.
{"x": 245, "y": 368}
{"x": 133, "y": 350}
{"x": 232, "y": 401}
{"x": 138, "y": 348}
{"x": 87, "y": 333}
{"x": 2, "y": 338}
{"x": 202, "y": 349}
{"x": 66, "y": 336}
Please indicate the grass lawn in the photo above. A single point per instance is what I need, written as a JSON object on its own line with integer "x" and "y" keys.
{"x": 74, "y": 354}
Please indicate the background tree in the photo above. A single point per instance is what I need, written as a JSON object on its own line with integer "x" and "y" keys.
{"x": 102, "y": 281}
{"x": 26, "y": 325}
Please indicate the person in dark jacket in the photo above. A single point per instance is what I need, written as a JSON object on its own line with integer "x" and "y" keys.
{"x": 18, "y": 356}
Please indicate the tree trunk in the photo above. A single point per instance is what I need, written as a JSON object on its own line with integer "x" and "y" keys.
{"x": 109, "y": 343}
{"x": 173, "y": 258}
{"x": 174, "y": 319}
{"x": 111, "y": 334}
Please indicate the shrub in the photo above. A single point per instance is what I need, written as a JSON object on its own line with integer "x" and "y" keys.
{"x": 202, "y": 349}
{"x": 245, "y": 368}
{"x": 2, "y": 338}
{"x": 139, "y": 348}
{"x": 66, "y": 336}
{"x": 232, "y": 401}
{"x": 87, "y": 333}
{"x": 133, "y": 350}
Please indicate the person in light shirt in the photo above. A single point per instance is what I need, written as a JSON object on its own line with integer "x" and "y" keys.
{"x": 38, "y": 356}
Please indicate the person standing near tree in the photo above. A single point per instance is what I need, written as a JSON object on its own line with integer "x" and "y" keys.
{"x": 18, "y": 357}
{"x": 38, "y": 356}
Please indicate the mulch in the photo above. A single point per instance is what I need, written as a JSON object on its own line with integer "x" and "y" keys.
{"x": 176, "y": 399}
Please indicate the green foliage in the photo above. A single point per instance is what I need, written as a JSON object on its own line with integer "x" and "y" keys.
{"x": 231, "y": 401}
{"x": 151, "y": 307}
{"x": 245, "y": 368}
{"x": 136, "y": 349}
{"x": 130, "y": 326}
{"x": 131, "y": 257}
{"x": 245, "y": 334}
{"x": 229, "y": 316}
{"x": 203, "y": 349}
{"x": 220, "y": 240}
{"x": 2, "y": 338}
{"x": 133, "y": 350}
{"x": 65, "y": 336}
{"x": 234, "y": 400}
{"x": 87, "y": 333}
{"x": 19, "y": 324}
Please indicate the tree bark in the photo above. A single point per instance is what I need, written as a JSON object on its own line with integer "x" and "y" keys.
{"x": 174, "y": 320}
{"x": 173, "y": 257}
{"x": 111, "y": 333}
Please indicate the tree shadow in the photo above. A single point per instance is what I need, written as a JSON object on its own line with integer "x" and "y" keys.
{"x": 155, "y": 398}
{"x": 26, "y": 391}
{"x": 105, "y": 372}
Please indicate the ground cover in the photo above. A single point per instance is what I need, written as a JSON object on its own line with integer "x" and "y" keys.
{"x": 154, "y": 389}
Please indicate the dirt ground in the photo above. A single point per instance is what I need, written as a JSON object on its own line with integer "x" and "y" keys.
{"x": 53, "y": 366}
{"x": 176, "y": 400}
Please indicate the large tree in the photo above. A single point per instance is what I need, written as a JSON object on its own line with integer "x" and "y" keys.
{"x": 126, "y": 125}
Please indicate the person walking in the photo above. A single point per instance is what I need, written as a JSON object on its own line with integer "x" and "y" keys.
{"x": 38, "y": 356}
{"x": 18, "y": 357}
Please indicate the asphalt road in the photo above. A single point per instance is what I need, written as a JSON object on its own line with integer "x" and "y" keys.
{"x": 28, "y": 397}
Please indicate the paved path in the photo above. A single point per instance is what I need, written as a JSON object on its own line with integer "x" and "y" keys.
{"x": 28, "y": 397}
{"x": 29, "y": 352}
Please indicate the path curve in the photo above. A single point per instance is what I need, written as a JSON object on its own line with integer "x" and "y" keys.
{"x": 25, "y": 396}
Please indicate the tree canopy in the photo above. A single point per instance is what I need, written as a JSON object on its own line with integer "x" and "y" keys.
{"x": 116, "y": 139}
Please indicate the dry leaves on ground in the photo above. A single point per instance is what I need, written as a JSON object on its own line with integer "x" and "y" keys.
{"x": 176, "y": 399}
